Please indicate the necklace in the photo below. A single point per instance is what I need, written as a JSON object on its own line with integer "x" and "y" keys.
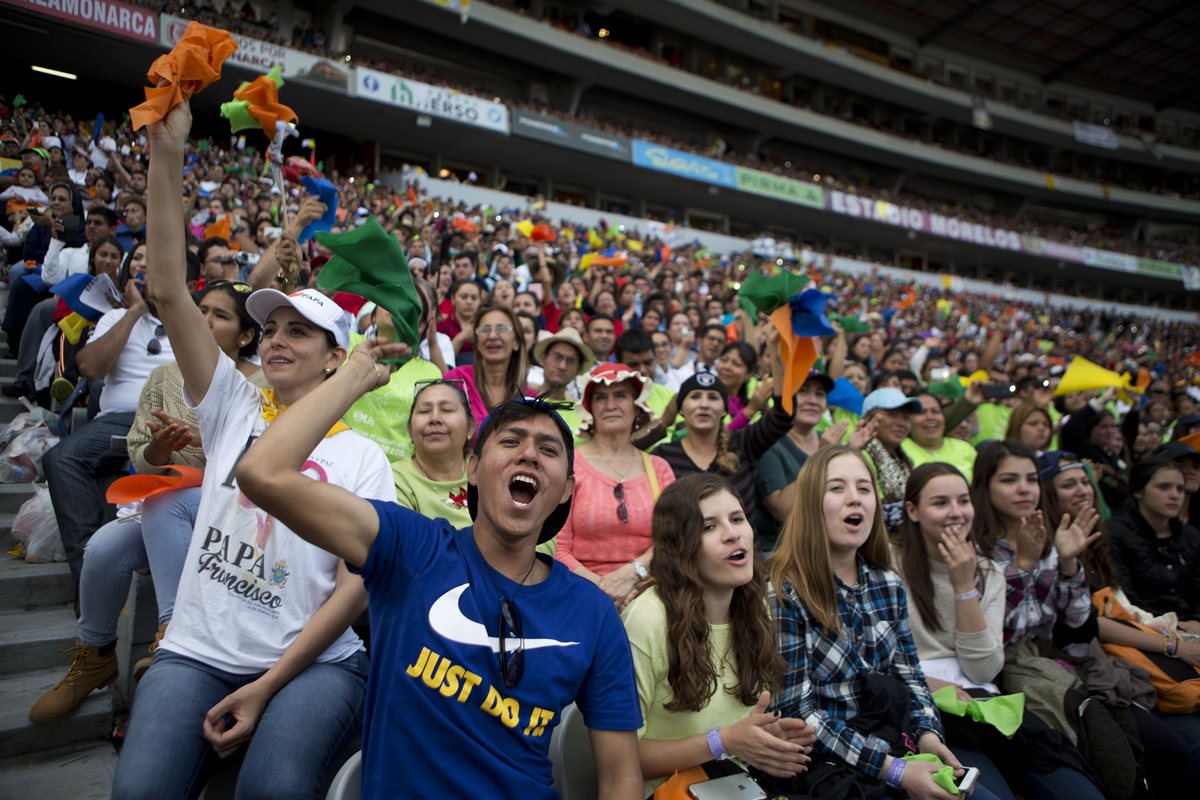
{"x": 608, "y": 463}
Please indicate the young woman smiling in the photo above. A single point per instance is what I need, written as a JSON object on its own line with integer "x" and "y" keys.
{"x": 956, "y": 605}
{"x": 927, "y": 442}
{"x": 465, "y": 299}
{"x": 702, "y": 641}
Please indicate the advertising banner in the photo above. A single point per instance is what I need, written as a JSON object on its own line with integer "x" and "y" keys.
{"x": 111, "y": 16}
{"x": 788, "y": 190}
{"x": 1163, "y": 269}
{"x": 1110, "y": 260}
{"x": 685, "y": 165}
{"x": 436, "y": 101}
{"x": 567, "y": 134}
{"x": 917, "y": 220}
{"x": 261, "y": 56}
{"x": 1095, "y": 135}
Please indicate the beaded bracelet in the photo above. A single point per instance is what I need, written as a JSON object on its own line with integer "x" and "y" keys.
{"x": 895, "y": 773}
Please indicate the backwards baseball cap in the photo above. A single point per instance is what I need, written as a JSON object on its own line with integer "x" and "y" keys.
{"x": 890, "y": 399}
{"x": 311, "y": 304}
{"x": 703, "y": 381}
{"x": 1051, "y": 463}
{"x": 558, "y": 517}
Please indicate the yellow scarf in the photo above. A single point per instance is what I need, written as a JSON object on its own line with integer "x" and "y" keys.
{"x": 271, "y": 409}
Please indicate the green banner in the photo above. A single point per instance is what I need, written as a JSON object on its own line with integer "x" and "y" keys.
{"x": 1164, "y": 269}
{"x": 786, "y": 189}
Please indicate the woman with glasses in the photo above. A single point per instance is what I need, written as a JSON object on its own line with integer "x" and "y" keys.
{"x": 260, "y": 645}
{"x": 607, "y": 537}
{"x": 165, "y": 432}
{"x": 703, "y": 642}
{"x": 433, "y": 480}
{"x": 499, "y": 367}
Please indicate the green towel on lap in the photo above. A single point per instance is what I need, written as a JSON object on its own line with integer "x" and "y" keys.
{"x": 1004, "y": 713}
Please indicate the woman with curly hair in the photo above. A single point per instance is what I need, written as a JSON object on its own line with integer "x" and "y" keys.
{"x": 703, "y": 646}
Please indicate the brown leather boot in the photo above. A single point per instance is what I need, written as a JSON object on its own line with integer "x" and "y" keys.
{"x": 88, "y": 671}
{"x": 143, "y": 664}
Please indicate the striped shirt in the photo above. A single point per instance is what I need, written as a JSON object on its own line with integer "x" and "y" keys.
{"x": 825, "y": 671}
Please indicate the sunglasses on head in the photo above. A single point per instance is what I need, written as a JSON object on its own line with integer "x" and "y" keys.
{"x": 238, "y": 286}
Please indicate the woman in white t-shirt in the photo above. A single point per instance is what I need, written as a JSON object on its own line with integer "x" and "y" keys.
{"x": 259, "y": 651}
{"x": 703, "y": 643}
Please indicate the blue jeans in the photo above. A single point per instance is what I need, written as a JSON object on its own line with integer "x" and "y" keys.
{"x": 157, "y": 539}
{"x": 1188, "y": 728}
{"x": 303, "y": 729}
{"x": 76, "y": 468}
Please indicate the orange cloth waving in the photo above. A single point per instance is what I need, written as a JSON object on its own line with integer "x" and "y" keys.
{"x": 257, "y": 102}
{"x": 799, "y": 355}
{"x": 194, "y": 63}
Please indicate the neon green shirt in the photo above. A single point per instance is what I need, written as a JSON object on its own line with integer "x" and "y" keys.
{"x": 954, "y": 452}
{"x": 382, "y": 415}
{"x": 435, "y": 499}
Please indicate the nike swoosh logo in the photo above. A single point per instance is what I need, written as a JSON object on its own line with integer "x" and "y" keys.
{"x": 449, "y": 622}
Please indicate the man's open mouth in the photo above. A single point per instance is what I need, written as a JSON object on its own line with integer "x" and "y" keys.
{"x": 522, "y": 489}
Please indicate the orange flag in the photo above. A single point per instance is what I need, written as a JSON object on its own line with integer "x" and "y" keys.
{"x": 799, "y": 354}
{"x": 194, "y": 63}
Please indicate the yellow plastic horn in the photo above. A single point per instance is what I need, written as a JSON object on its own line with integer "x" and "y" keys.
{"x": 1083, "y": 376}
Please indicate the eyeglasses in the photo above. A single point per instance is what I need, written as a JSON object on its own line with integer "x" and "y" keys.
{"x": 512, "y": 665}
{"x": 570, "y": 361}
{"x": 237, "y": 286}
{"x": 154, "y": 346}
{"x": 500, "y": 330}
{"x": 622, "y": 511}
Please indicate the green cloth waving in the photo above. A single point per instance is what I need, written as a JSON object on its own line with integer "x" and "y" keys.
{"x": 762, "y": 293}
{"x": 367, "y": 261}
{"x": 1004, "y": 713}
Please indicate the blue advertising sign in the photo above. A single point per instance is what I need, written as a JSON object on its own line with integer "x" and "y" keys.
{"x": 683, "y": 164}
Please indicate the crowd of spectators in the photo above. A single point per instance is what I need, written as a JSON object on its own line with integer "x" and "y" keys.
{"x": 200, "y": 358}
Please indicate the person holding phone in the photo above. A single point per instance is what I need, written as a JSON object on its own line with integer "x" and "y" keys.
{"x": 703, "y": 645}
{"x": 843, "y": 632}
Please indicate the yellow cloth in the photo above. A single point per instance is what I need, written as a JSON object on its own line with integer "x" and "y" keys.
{"x": 271, "y": 409}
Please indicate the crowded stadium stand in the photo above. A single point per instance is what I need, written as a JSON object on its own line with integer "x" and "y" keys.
{"x": 996, "y": 192}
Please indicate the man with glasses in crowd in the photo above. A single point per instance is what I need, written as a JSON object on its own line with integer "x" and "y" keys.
{"x": 478, "y": 643}
{"x": 125, "y": 347}
{"x": 564, "y": 357}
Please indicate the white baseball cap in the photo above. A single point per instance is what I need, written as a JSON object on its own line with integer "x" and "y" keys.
{"x": 312, "y": 305}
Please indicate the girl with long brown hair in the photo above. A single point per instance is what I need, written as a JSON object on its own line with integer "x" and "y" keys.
{"x": 703, "y": 646}
{"x": 843, "y": 631}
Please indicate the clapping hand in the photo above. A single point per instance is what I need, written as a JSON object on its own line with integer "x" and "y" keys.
{"x": 1031, "y": 540}
{"x": 960, "y": 558}
{"x": 864, "y": 433}
{"x": 1074, "y": 536}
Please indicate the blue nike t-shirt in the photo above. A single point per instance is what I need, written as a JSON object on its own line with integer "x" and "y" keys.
{"x": 439, "y": 720}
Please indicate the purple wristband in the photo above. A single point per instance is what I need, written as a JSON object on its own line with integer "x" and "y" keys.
{"x": 715, "y": 745}
{"x": 895, "y": 773}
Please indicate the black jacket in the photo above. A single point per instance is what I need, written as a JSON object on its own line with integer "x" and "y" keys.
{"x": 1158, "y": 575}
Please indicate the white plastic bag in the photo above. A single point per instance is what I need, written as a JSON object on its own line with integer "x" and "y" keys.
{"x": 21, "y": 461}
{"x": 31, "y": 417}
{"x": 36, "y": 528}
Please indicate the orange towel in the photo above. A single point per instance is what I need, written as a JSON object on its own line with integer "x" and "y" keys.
{"x": 194, "y": 63}
{"x": 799, "y": 355}
{"x": 261, "y": 97}
{"x": 139, "y": 487}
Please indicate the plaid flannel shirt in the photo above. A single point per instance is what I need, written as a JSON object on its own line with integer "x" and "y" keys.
{"x": 824, "y": 672}
{"x": 1036, "y": 599}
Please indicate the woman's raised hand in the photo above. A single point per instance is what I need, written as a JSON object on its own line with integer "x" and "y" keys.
{"x": 1074, "y": 536}
{"x": 763, "y": 740}
{"x": 368, "y": 355}
{"x": 172, "y": 131}
{"x": 834, "y": 434}
{"x": 864, "y": 433}
{"x": 960, "y": 558}
{"x": 1031, "y": 540}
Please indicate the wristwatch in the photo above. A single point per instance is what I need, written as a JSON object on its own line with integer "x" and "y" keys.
{"x": 640, "y": 569}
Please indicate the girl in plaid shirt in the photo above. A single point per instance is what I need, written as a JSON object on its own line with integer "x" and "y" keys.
{"x": 843, "y": 616}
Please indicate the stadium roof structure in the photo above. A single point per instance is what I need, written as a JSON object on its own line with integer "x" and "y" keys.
{"x": 1147, "y": 49}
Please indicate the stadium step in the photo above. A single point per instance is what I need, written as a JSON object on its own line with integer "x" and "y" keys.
{"x": 68, "y": 759}
{"x": 75, "y": 773}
